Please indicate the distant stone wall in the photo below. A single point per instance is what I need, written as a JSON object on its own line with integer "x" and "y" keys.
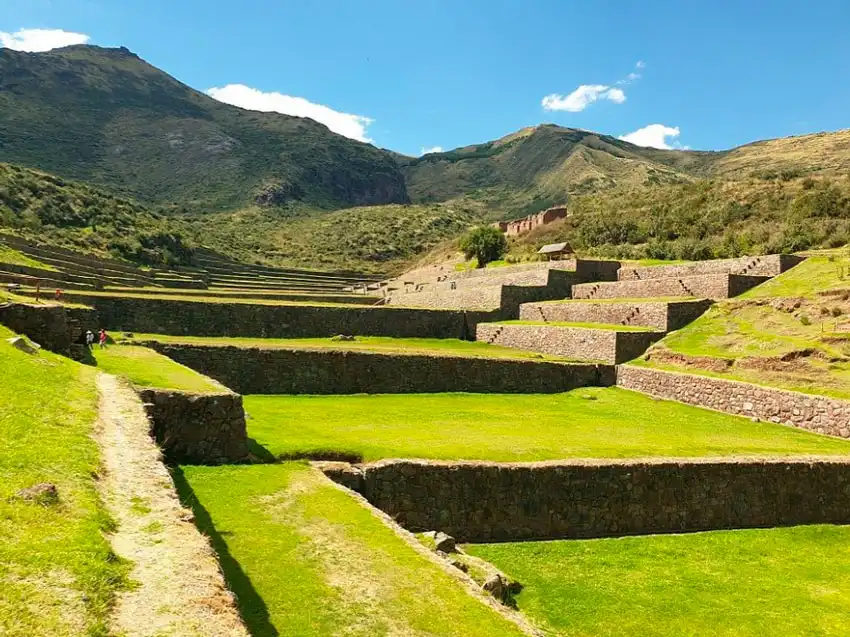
{"x": 664, "y": 316}
{"x": 770, "y": 265}
{"x": 287, "y": 371}
{"x": 602, "y": 345}
{"x": 200, "y": 318}
{"x": 197, "y": 428}
{"x": 710, "y": 286}
{"x": 495, "y": 502}
{"x": 54, "y": 327}
{"x": 483, "y": 297}
{"x": 820, "y": 414}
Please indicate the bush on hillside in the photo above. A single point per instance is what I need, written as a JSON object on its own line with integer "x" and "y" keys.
{"x": 485, "y": 244}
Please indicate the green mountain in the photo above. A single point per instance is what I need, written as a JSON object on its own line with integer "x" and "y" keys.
{"x": 107, "y": 117}
{"x": 538, "y": 167}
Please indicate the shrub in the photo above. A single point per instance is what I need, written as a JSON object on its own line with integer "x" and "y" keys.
{"x": 805, "y": 320}
{"x": 485, "y": 244}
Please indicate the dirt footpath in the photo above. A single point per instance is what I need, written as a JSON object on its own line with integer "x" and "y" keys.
{"x": 179, "y": 590}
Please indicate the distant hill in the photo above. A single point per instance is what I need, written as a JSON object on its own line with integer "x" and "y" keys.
{"x": 537, "y": 167}
{"x": 107, "y": 117}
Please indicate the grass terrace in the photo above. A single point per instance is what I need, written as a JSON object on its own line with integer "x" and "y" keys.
{"x": 585, "y": 423}
{"x": 15, "y": 257}
{"x": 337, "y": 569}
{"x": 380, "y": 344}
{"x": 824, "y": 270}
{"x": 58, "y": 575}
{"x": 179, "y": 295}
{"x": 779, "y": 582}
{"x": 144, "y": 367}
{"x": 594, "y": 326}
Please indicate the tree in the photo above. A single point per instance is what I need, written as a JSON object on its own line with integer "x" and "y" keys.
{"x": 486, "y": 244}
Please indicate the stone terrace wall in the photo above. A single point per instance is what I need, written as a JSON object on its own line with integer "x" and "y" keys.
{"x": 197, "y": 428}
{"x": 770, "y": 265}
{"x": 664, "y": 316}
{"x": 604, "y": 345}
{"x": 714, "y": 286}
{"x": 54, "y": 327}
{"x": 481, "y": 502}
{"x": 483, "y": 297}
{"x": 199, "y": 318}
{"x": 820, "y": 414}
{"x": 286, "y": 371}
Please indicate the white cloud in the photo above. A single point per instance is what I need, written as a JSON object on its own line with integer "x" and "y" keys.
{"x": 640, "y": 64}
{"x": 353, "y": 126}
{"x": 582, "y": 97}
{"x": 654, "y": 136}
{"x": 40, "y": 40}
{"x": 433, "y": 149}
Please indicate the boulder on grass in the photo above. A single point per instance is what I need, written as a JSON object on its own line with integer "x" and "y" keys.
{"x": 43, "y": 493}
{"x": 21, "y": 343}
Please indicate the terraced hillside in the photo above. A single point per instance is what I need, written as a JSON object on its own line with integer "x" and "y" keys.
{"x": 378, "y": 472}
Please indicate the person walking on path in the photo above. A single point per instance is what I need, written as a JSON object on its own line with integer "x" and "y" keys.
{"x": 102, "y": 338}
{"x": 89, "y": 339}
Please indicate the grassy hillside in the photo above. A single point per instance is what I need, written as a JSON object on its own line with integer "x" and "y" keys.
{"x": 535, "y": 168}
{"x": 704, "y": 219}
{"x": 78, "y": 216}
{"x": 107, "y": 117}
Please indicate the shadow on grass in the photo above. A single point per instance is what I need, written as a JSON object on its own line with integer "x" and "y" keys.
{"x": 328, "y": 455}
{"x": 252, "y": 608}
{"x": 259, "y": 453}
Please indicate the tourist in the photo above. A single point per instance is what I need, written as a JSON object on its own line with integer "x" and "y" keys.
{"x": 89, "y": 339}
{"x": 102, "y": 338}
{"x": 58, "y": 294}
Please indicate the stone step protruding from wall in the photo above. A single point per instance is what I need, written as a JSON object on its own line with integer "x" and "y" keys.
{"x": 769, "y": 265}
{"x": 711, "y": 286}
{"x": 197, "y": 428}
{"x": 604, "y": 345}
{"x": 664, "y": 316}
{"x": 496, "y": 502}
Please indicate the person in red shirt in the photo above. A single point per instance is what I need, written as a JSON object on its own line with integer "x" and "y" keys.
{"x": 102, "y": 338}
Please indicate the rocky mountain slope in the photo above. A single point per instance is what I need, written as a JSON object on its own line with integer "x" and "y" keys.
{"x": 106, "y": 116}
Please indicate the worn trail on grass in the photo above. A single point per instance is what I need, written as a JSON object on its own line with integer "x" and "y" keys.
{"x": 180, "y": 590}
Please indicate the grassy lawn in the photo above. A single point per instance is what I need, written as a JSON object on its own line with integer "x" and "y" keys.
{"x": 594, "y": 326}
{"x": 778, "y": 582}
{"x": 824, "y": 270}
{"x": 306, "y": 558}
{"x": 146, "y": 368}
{"x": 432, "y": 346}
{"x": 15, "y": 257}
{"x": 58, "y": 575}
{"x": 586, "y": 423}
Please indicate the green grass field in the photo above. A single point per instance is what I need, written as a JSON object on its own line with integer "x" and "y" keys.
{"x": 586, "y": 423}
{"x": 15, "y": 257}
{"x": 306, "y": 558}
{"x": 595, "y": 326}
{"x": 431, "y": 346}
{"x": 824, "y": 270}
{"x": 778, "y": 582}
{"x": 146, "y": 368}
{"x": 58, "y": 575}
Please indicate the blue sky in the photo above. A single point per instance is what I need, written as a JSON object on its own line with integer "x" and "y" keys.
{"x": 411, "y": 75}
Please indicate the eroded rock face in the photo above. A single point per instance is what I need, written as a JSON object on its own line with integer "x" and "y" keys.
{"x": 278, "y": 194}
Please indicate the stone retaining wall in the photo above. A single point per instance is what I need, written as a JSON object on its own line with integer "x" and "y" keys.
{"x": 197, "y": 428}
{"x": 820, "y": 414}
{"x": 54, "y": 327}
{"x": 481, "y": 502}
{"x": 770, "y": 265}
{"x": 664, "y": 316}
{"x": 581, "y": 343}
{"x": 288, "y": 371}
{"x": 200, "y": 318}
{"x": 714, "y": 286}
